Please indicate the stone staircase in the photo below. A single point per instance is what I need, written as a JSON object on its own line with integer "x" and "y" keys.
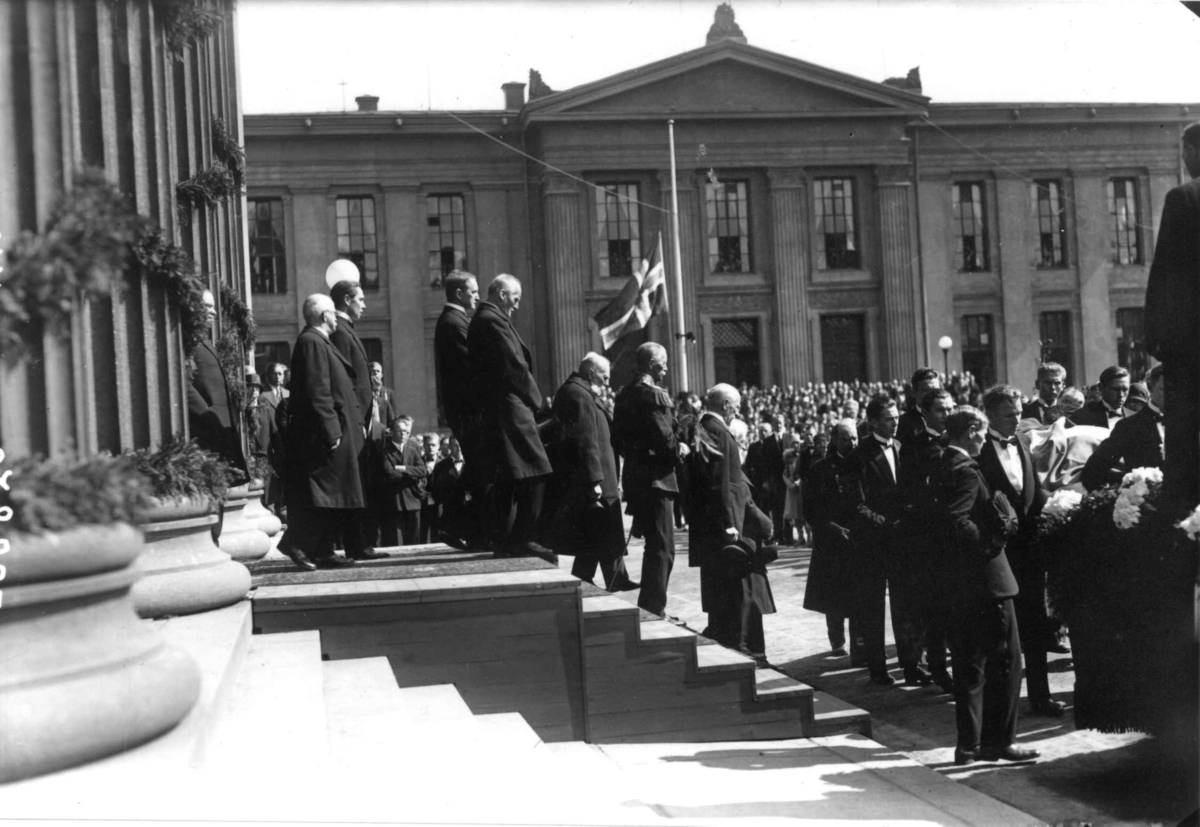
{"x": 282, "y": 734}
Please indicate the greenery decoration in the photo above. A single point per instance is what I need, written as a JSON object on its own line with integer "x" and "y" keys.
{"x": 236, "y": 315}
{"x": 187, "y": 21}
{"x": 85, "y": 246}
{"x": 229, "y": 354}
{"x": 260, "y": 467}
{"x": 206, "y": 188}
{"x": 181, "y": 468}
{"x": 158, "y": 261}
{"x": 229, "y": 152}
{"x": 66, "y": 492}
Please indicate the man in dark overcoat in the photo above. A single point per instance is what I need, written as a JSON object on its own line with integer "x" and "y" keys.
{"x": 735, "y": 595}
{"x": 978, "y": 586}
{"x": 877, "y": 536}
{"x": 764, "y": 467}
{"x": 455, "y": 399}
{"x": 588, "y": 523}
{"x": 1172, "y": 332}
{"x": 213, "y": 417}
{"x": 918, "y": 610}
{"x": 835, "y": 492}
{"x": 1008, "y": 468}
{"x": 359, "y": 532}
{"x": 405, "y": 477}
{"x": 644, "y": 434}
{"x": 324, "y": 442}
{"x": 507, "y": 398}
{"x": 1134, "y": 442}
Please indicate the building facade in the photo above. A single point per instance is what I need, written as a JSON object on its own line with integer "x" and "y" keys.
{"x": 830, "y": 227}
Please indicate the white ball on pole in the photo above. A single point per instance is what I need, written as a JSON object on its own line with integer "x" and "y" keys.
{"x": 342, "y": 269}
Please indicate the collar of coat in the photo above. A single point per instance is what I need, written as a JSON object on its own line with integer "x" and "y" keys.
{"x": 578, "y": 379}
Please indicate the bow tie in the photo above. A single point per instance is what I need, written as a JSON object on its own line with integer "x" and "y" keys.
{"x": 1112, "y": 414}
{"x": 887, "y": 445}
{"x": 1006, "y": 442}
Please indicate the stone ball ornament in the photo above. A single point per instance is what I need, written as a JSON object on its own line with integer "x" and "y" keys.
{"x": 341, "y": 269}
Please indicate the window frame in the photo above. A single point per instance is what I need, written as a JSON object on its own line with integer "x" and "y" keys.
{"x": 437, "y": 283}
{"x": 1072, "y": 332}
{"x": 989, "y": 346}
{"x": 637, "y": 246}
{"x": 252, "y": 202}
{"x": 1036, "y": 188}
{"x": 347, "y": 194}
{"x": 820, "y": 238}
{"x": 984, "y": 241}
{"x": 1115, "y": 231}
{"x": 712, "y": 221}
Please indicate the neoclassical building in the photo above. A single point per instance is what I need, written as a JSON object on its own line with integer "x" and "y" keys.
{"x": 830, "y": 227}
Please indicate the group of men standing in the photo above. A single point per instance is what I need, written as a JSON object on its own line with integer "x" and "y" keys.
{"x": 911, "y": 518}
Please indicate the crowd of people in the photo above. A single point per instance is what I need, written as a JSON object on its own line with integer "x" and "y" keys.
{"x": 924, "y": 494}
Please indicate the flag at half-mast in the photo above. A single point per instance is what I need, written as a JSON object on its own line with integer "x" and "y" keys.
{"x": 642, "y": 296}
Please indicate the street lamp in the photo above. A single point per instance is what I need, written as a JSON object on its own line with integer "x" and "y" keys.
{"x": 945, "y": 343}
{"x": 341, "y": 270}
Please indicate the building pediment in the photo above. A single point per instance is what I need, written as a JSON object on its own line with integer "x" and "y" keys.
{"x": 726, "y": 79}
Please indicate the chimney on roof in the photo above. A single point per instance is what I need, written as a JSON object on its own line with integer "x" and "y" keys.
{"x": 514, "y": 95}
{"x": 724, "y": 27}
{"x": 367, "y": 103}
{"x": 909, "y": 83}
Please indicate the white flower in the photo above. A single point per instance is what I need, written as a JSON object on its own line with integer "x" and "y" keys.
{"x": 1192, "y": 525}
{"x": 1062, "y": 502}
{"x": 1125, "y": 513}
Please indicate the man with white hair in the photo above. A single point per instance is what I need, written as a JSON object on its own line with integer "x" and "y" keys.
{"x": 507, "y": 398}
{"x": 644, "y": 433}
{"x": 588, "y": 523}
{"x": 324, "y": 440}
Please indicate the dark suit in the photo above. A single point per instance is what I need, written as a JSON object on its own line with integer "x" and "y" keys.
{"x": 918, "y": 611}
{"x": 643, "y": 432}
{"x": 1026, "y": 561}
{"x": 507, "y": 397}
{"x": 1096, "y": 413}
{"x": 764, "y": 467}
{"x": 452, "y": 364}
{"x": 1172, "y": 334}
{"x": 359, "y": 531}
{"x": 1037, "y": 409}
{"x": 388, "y": 407}
{"x": 911, "y": 424}
{"x": 213, "y": 417}
{"x": 875, "y": 540}
{"x": 1133, "y": 443}
{"x": 448, "y": 489}
{"x": 978, "y": 587}
{"x": 735, "y": 601}
{"x": 834, "y": 491}
{"x": 322, "y": 409}
{"x": 273, "y": 399}
{"x": 403, "y": 492}
{"x": 585, "y": 525}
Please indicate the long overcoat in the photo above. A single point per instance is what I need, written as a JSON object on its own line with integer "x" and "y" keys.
{"x": 213, "y": 417}
{"x": 836, "y": 492}
{"x": 584, "y": 458}
{"x": 507, "y": 396}
{"x": 323, "y": 409}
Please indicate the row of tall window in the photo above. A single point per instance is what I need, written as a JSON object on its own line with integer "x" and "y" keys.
{"x": 728, "y": 226}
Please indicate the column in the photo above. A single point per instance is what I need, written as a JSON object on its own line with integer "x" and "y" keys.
{"x": 566, "y": 260}
{"x": 1022, "y": 336}
{"x": 898, "y": 277}
{"x": 691, "y": 251}
{"x": 1095, "y": 267}
{"x": 788, "y": 198}
{"x": 402, "y": 244}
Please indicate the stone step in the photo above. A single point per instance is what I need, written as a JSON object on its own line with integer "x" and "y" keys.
{"x": 217, "y": 641}
{"x": 279, "y": 717}
{"x": 511, "y": 728}
{"x": 833, "y": 716}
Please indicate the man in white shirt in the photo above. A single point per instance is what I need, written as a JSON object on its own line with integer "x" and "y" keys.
{"x": 1008, "y": 468}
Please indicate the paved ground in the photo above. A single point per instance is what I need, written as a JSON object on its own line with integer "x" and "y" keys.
{"x": 1083, "y": 777}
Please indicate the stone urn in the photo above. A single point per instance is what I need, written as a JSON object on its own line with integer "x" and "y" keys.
{"x": 240, "y": 538}
{"x": 183, "y": 571}
{"x": 258, "y": 514}
{"x": 83, "y": 676}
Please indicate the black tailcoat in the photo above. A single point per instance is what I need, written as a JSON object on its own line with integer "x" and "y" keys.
{"x": 1095, "y": 413}
{"x": 507, "y": 397}
{"x": 1133, "y": 443}
{"x": 452, "y": 363}
{"x": 644, "y": 435}
{"x": 321, "y": 410}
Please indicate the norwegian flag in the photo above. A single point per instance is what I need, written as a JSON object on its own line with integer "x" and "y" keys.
{"x": 642, "y": 296}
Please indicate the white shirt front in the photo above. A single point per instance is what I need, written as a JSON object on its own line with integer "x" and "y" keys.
{"x": 1010, "y": 461}
{"x": 889, "y": 451}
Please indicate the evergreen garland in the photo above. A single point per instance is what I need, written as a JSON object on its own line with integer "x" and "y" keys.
{"x": 66, "y": 492}
{"x": 158, "y": 261}
{"x": 236, "y": 313}
{"x": 187, "y": 21}
{"x": 207, "y": 187}
{"x": 85, "y": 246}
{"x": 181, "y": 468}
{"x": 229, "y": 152}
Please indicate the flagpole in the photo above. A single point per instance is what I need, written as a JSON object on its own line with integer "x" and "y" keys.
{"x": 677, "y": 277}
